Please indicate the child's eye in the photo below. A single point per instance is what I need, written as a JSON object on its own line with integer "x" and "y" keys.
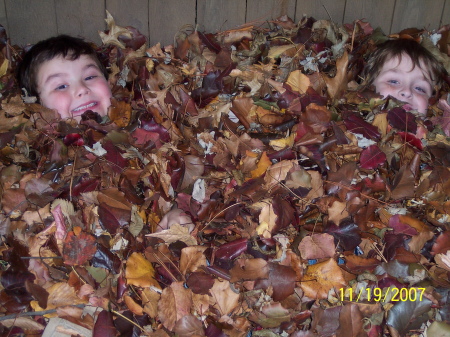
{"x": 422, "y": 90}
{"x": 61, "y": 87}
{"x": 393, "y": 82}
{"x": 90, "y": 77}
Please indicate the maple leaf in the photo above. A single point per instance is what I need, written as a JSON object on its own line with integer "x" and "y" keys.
{"x": 114, "y": 31}
{"x": 176, "y": 232}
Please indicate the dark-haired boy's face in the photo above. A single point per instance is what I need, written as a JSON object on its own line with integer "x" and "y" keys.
{"x": 402, "y": 80}
{"x": 73, "y": 86}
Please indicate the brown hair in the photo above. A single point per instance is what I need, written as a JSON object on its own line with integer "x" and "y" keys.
{"x": 59, "y": 46}
{"x": 420, "y": 57}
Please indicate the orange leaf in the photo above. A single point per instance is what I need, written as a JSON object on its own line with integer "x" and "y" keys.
{"x": 263, "y": 164}
{"x": 119, "y": 112}
{"x": 321, "y": 277}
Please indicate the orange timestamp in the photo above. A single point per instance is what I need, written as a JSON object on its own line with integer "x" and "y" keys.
{"x": 381, "y": 295}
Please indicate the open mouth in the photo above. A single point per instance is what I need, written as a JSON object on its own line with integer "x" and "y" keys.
{"x": 85, "y": 107}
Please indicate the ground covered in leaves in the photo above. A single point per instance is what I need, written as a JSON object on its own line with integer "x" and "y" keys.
{"x": 244, "y": 183}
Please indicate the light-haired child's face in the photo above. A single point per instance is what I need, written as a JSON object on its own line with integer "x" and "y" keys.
{"x": 73, "y": 86}
{"x": 401, "y": 80}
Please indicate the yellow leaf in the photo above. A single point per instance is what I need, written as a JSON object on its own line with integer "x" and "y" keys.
{"x": 280, "y": 144}
{"x": 298, "y": 81}
{"x": 139, "y": 272}
{"x": 4, "y": 67}
{"x": 380, "y": 121}
{"x": 263, "y": 164}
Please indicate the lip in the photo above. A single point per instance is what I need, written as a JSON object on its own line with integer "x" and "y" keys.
{"x": 407, "y": 107}
{"x": 84, "y": 107}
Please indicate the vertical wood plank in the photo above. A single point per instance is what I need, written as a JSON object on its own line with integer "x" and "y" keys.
{"x": 417, "y": 14}
{"x": 259, "y": 11}
{"x": 445, "y": 20}
{"x": 30, "y": 21}
{"x": 378, "y": 13}
{"x": 321, "y": 10}
{"x": 3, "y": 18}
{"x": 130, "y": 13}
{"x": 167, "y": 17}
{"x": 82, "y": 18}
{"x": 218, "y": 15}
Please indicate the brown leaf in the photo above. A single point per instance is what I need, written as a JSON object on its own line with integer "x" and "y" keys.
{"x": 192, "y": 258}
{"x": 338, "y": 84}
{"x": 317, "y": 246}
{"x": 223, "y": 298}
{"x": 189, "y": 326}
{"x": 175, "y": 303}
{"x": 249, "y": 269}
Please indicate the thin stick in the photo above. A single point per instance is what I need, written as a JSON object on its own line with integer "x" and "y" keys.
{"x": 36, "y": 313}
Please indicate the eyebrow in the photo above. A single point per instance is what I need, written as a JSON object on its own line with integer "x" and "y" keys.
{"x": 56, "y": 75}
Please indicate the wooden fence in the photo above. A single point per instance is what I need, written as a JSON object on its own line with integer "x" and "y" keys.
{"x": 28, "y": 21}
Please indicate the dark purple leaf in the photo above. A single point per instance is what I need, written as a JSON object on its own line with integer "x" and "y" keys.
{"x": 401, "y": 120}
{"x": 104, "y": 326}
{"x": 347, "y": 234}
{"x": 356, "y": 124}
{"x": 285, "y": 213}
{"x": 104, "y": 258}
{"x": 112, "y": 218}
{"x": 372, "y": 157}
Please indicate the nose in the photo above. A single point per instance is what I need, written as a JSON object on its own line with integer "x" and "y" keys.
{"x": 81, "y": 90}
{"x": 405, "y": 93}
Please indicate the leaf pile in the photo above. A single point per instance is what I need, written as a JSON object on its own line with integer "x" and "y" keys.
{"x": 242, "y": 183}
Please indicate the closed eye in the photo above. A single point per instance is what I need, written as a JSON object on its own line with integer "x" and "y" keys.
{"x": 90, "y": 77}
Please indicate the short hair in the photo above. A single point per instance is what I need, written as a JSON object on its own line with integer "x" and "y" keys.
{"x": 58, "y": 46}
{"x": 420, "y": 57}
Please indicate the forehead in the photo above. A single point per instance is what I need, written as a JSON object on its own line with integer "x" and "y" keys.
{"x": 405, "y": 66}
{"x": 63, "y": 65}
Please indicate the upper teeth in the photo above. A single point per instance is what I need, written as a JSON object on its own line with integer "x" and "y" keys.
{"x": 84, "y": 107}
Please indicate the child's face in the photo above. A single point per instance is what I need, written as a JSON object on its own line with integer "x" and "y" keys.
{"x": 73, "y": 86}
{"x": 398, "y": 79}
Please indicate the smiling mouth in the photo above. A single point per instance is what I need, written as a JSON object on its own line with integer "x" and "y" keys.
{"x": 84, "y": 107}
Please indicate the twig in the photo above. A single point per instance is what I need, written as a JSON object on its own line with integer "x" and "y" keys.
{"x": 36, "y": 313}
{"x": 128, "y": 320}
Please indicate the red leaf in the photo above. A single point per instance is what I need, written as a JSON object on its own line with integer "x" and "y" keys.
{"x": 78, "y": 249}
{"x": 372, "y": 157}
{"x": 411, "y": 139}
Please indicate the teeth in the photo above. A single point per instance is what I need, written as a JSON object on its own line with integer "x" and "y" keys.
{"x": 85, "y": 107}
